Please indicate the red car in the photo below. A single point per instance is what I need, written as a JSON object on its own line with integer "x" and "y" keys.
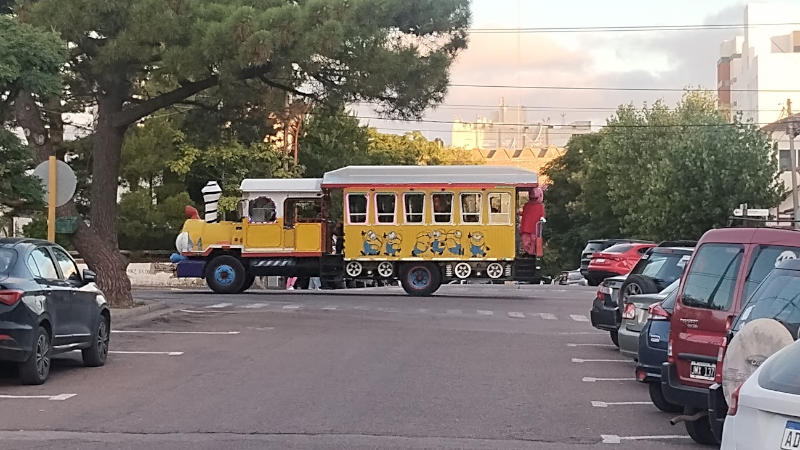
{"x": 616, "y": 260}
{"x": 727, "y": 266}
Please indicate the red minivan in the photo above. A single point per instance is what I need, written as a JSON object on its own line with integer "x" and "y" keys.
{"x": 727, "y": 266}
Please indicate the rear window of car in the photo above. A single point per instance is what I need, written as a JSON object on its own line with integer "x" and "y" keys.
{"x": 778, "y": 297}
{"x": 669, "y": 302}
{"x": 712, "y": 276}
{"x": 594, "y": 247}
{"x": 618, "y": 248}
{"x": 780, "y": 372}
{"x": 7, "y": 258}
{"x": 766, "y": 258}
{"x": 666, "y": 267}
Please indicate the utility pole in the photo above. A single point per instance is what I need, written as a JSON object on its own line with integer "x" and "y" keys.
{"x": 790, "y": 130}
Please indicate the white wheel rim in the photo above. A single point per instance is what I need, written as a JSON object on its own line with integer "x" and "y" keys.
{"x": 462, "y": 270}
{"x": 353, "y": 268}
{"x": 495, "y": 270}
{"x": 385, "y": 269}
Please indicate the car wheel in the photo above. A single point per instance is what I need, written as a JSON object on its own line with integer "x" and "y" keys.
{"x": 636, "y": 285}
{"x": 700, "y": 429}
{"x": 614, "y": 337}
{"x": 225, "y": 274}
{"x": 97, "y": 353}
{"x": 248, "y": 283}
{"x": 657, "y": 397}
{"x": 421, "y": 279}
{"x": 37, "y": 368}
{"x": 593, "y": 282}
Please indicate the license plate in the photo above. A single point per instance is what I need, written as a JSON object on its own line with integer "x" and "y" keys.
{"x": 600, "y": 260}
{"x": 702, "y": 370}
{"x": 791, "y": 436}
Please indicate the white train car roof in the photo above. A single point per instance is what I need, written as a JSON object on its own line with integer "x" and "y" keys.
{"x": 252, "y": 186}
{"x": 429, "y": 176}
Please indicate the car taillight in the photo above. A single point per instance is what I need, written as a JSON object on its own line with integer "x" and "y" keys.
{"x": 10, "y": 297}
{"x": 629, "y": 312}
{"x": 604, "y": 290}
{"x": 734, "y": 406}
{"x": 656, "y": 312}
{"x": 720, "y": 356}
{"x": 670, "y": 358}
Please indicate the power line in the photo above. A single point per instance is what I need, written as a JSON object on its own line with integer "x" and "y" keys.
{"x": 606, "y": 88}
{"x": 628, "y": 28}
{"x": 596, "y": 126}
{"x": 486, "y": 107}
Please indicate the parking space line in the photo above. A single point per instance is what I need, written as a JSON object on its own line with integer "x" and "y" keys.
{"x": 598, "y": 404}
{"x": 516, "y": 315}
{"x": 175, "y": 332}
{"x": 255, "y": 305}
{"x": 330, "y": 308}
{"x": 579, "y": 317}
{"x": 292, "y": 307}
{"x": 581, "y": 360}
{"x": 591, "y": 345}
{"x": 59, "y": 397}
{"x": 484, "y": 312}
{"x": 219, "y": 305}
{"x": 614, "y": 439}
{"x": 548, "y": 316}
{"x": 594, "y": 379}
{"x": 126, "y": 352}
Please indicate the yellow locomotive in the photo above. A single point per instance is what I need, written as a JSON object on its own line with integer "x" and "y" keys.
{"x": 423, "y": 225}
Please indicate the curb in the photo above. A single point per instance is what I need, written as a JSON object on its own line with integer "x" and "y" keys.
{"x": 119, "y": 314}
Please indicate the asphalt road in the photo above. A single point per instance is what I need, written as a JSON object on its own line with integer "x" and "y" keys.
{"x": 474, "y": 367}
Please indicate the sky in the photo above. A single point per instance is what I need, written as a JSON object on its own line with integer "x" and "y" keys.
{"x": 652, "y": 59}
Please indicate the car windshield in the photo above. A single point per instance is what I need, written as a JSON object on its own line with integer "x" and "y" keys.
{"x": 777, "y": 297}
{"x": 662, "y": 266}
{"x": 669, "y": 302}
{"x": 618, "y": 248}
{"x": 7, "y": 258}
{"x": 780, "y": 372}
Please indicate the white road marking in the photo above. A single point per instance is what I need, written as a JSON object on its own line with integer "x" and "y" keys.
{"x": 58, "y": 397}
{"x": 548, "y": 316}
{"x": 291, "y": 307}
{"x": 516, "y": 315}
{"x": 361, "y": 308}
{"x": 125, "y": 352}
{"x": 175, "y": 332}
{"x": 330, "y": 308}
{"x": 220, "y": 305}
{"x": 581, "y": 360}
{"x": 579, "y": 317}
{"x": 597, "y": 404}
{"x": 591, "y": 345}
{"x": 194, "y": 311}
{"x": 255, "y": 305}
{"x": 455, "y": 311}
{"x": 593, "y": 379}
{"x": 614, "y": 439}
{"x": 484, "y": 312}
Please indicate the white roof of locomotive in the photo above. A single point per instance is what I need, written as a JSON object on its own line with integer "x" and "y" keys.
{"x": 253, "y": 185}
{"x": 404, "y": 175}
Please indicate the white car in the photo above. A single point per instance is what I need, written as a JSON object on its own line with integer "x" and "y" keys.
{"x": 765, "y": 411}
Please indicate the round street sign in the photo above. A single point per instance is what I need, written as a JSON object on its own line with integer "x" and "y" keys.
{"x": 66, "y": 181}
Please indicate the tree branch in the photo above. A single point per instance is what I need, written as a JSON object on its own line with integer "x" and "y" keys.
{"x": 283, "y": 87}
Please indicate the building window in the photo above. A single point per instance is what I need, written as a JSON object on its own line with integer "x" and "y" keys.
{"x": 386, "y": 205}
{"x": 414, "y": 204}
{"x": 262, "y": 210}
{"x": 784, "y": 160}
{"x": 357, "y": 208}
{"x": 442, "y": 207}
{"x": 499, "y": 208}
{"x": 470, "y": 208}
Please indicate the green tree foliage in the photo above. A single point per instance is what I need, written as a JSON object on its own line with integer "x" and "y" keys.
{"x": 657, "y": 173}
{"x": 17, "y": 189}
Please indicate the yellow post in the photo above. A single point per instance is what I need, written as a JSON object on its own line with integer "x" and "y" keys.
{"x": 51, "y": 201}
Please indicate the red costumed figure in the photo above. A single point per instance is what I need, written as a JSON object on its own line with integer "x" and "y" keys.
{"x": 532, "y": 213}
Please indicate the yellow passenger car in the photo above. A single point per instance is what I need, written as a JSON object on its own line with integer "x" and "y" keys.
{"x": 423, "y": 225}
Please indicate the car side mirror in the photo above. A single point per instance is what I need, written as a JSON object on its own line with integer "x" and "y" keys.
{"x": 89, "y": 276}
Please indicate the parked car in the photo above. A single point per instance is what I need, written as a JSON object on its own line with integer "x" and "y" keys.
{"x": 604, "y": 313}
{"x": 597, "y": 245}
{"x": 726, "y": 267}
{"x": 634, "y": 317}
{"x": 48, "y": 307}
{"x": 570, "y": 278}
{"x": 658, "y": 268}
{"x": 765, "y": 410}
{"x": 652, "y": 273}
{"x": 652, "y": 352}
{"x": 616, "y": 260}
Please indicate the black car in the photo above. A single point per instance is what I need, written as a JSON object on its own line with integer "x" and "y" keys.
{"x": 598, "y": 245}
{"x": 47, "y": 307}
{"x": 653, "y": 342}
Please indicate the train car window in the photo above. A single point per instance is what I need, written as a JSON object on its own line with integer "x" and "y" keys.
{"x": 442, "y": 207}
{"x": 357, "y": 208}
{"x": 470, "y": 208}
{"x": 414, "y": 204}
{"x": 262, "y": 210}
{"x": 302, "y": 210}
{"x": 499, "y": 208}
{"x": 386, "y": 205}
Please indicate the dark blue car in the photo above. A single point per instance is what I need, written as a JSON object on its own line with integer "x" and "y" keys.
{"x": 48, "y": 307}
{"x": 653, "y": 342}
